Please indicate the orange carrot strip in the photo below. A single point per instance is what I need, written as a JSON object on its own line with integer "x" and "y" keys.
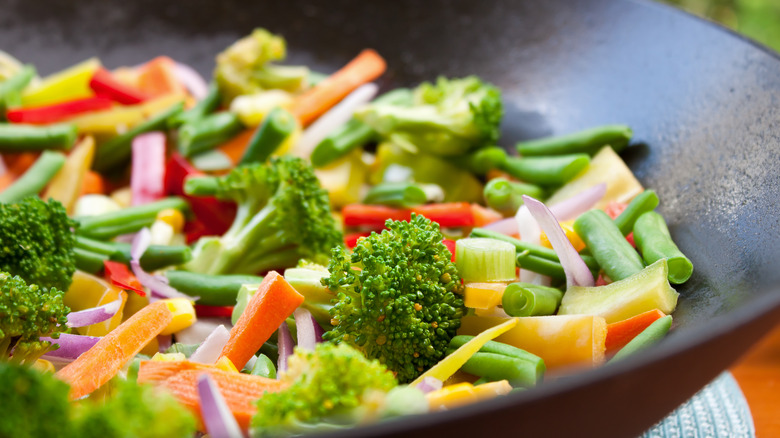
{"x": 93, "y": 184}
{"x": 274, "y": 301}
{"x": 621, "y": 332}
{"x": 484, "y": 216}
{"x": 235, "y": 147}
{"x": 100, "y": 363}
{"x": 19, "y": 163}
{"x": 158, "y": 371}
{"x": 239, "y": 390}
{"x": 6, "y": 180}
{"x": 366, "y": 67}
{"x": 156, "y": 78}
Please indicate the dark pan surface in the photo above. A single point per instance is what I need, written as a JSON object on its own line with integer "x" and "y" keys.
{"x": 704, "y": 104}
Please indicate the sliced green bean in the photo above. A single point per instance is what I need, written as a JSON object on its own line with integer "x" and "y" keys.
{"x": 547, "y": 171}
{"x": 538, "y": 251}
{"x": 649, "y": 336}
{"x": 507, "y": 196}
{"x": 23, "y": 138}
{"x": 264, "y": 367}
{"x": 642, "y": 203}
{"x": 493, "y": 367}
{"x": 526, "y": 299}
{"x": 36, "y": 177}
{"x": 540, "y": 265}
{"x": 608, "y": 245}
{"x": 588, "y": 141}
{"x": 213, "y": 290}
{"x": 155, "y": 257}
{"x": 209, "y": 132}
{"x": 483, "y": 160}
{"x": 88, "y": 261}
{"x": 117, "y": 151}
{"x": 277, "y": 126}
{"x": 402, "y": 194}
{"x": 495, "y": 347}
{"x": 200, "y": 110}
{"x": 652, "y": 237}
{"x": 14, "y": 85}
{"x": 128, "y": 219}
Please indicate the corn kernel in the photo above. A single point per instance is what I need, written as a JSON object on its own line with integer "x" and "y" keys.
{"x": 226, "y": 364}
{"x": 44, "y": 365}
{"x": 168, "y": 357}
{"x": 172, "y": 217}
{"x": 464, "y": 393}
{"x": 183, "y": 315}
{"x": 483, "y": 295}
{"x": 568, "y": 229}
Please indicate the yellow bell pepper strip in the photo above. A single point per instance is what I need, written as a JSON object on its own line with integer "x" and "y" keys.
{"x": 183, "y": 315}
{"x": 452, "y": 363}
{"x": 69, "y": 84}
{"x": 483, "y": 295}
{"x": 573, "y": 237}
{"x": 464, "y": 393}
{"x": 87, "y": 291}
{"x": 67, "y": 183}
{"x": 120, "y": 118}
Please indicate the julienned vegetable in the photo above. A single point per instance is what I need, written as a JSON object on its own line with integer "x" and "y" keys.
{"x": 498, "y": 361}
{"x": 276, "y": 128}
{"x": 588, "y": 141}
{"x": 655, "y": 243}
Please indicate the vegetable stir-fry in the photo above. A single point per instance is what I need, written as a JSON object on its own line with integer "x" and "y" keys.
{"x": 281, "y": 252}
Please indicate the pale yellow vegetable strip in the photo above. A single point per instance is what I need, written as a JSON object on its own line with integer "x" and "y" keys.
{"x": 66, "y": 184}
{"x": 69, "y": 84}
{"x": 452, "y": 363}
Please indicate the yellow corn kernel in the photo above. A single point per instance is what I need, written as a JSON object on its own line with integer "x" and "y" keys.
{"x": 568, "y": 229}
{"x": 226, "y": 364}
{"x": 44, "y": 365}
{"x": 172, "y": 217}
{"x": 168, "y": 357}
{"x": 464, "y": 393}
{"x": 483, "y": 295}
{"x": 183, "y": 315}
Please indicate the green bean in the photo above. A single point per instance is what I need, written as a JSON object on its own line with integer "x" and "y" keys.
{"x": 23, "y": 138}
{"x": 538, "y": 251}
{"x": 14, "y": 85}
{"x": 128, "y": 219}
{"x": 402, "y": 194}
{"x": 649, "y": 336}
{"x": 481, "y": 161}
{"x": 276, "y": 128}
{"x": 117, "y": 151}
{"x": 588, "y": 141}
{"x": 213, "y": 290}
{"x": 540, "y": 265}
{"x": 201, "y": 109}
{"x": 209, "y": 132}
{"x": 507, "y": 196}
{"x": 608, "y": 245}
{"x": 88, "y": 261}
{"x": 526, "y": 299}
{"x": 264, "y": 367}
{"x": 547, "y": 171}
{"x": 35, "y": 178}
{"x": 496, "y": 348}
{"x": 493, "y": 367}
{"x": 642, "y": 203}
{"x": 155, "y": 257}
{"x": 654, "y": 242}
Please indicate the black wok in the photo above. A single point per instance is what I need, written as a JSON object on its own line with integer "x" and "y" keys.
{"x": 704, "y": 104}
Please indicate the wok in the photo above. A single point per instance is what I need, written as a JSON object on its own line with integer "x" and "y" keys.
{"x": 704, "y": 104}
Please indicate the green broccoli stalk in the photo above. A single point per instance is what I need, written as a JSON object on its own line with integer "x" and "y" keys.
{"x": 449, "y": 118}
{"x": 402, "y": 304}
{"x": 27, "y": 312}
{"x": 283, "y": 216}
{"x": 246, "y": 67}
{"x": 331, "y": 388}
{"x": 36, "y": 242}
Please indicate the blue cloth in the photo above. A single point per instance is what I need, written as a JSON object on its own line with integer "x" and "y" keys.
{"x": 717, "y": 411}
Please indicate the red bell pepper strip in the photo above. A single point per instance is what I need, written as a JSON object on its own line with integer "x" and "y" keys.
{"x": 213, "y": 311}
{"x": 454, "y": 214}
{"x": 450, "y": 244}
{"x": 350, "y": 240}
{"x": 103, "y": 83}
{"x": 356, "y": 215}
{"x": 613, "y": 210}
{"x": 119, "y": 275}
{"x": 42, "y": 115}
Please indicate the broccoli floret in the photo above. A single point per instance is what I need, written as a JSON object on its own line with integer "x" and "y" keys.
{"x": 36, "y": 242}
{"x": 246, "y": 67}
{"x": 134, "y": 411}
{"x": 28, "y": 312}
{"x": 35, "y": 404}
{"x": 449, "y": 118}
{"x": 331, "y": 388}
{"x": 283, "y": 216}
{"x": 402, "y": 304}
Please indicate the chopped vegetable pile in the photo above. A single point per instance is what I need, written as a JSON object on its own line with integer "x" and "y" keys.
{"x": 281, "y": 252}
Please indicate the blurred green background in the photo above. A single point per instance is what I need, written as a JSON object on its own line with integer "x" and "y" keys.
{"x": 757, "y": 19}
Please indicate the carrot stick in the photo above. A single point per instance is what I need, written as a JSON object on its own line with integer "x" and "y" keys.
{"x": 484, "y": 216}
{"x": 100, "y": 363}
{"x": 156, "y": 78}
{"x": 93, "y": 184}
{"x": 235, "y": 147}
{"x": 239, "y": 390}
{"x": 366, "y": 67}
{"x": 19, "y": 163}
{"x": 6, "y": 180}
{"x": 274, "y": 301}
{"x": 621, "y": 332}
{"x": 158, "y": 371}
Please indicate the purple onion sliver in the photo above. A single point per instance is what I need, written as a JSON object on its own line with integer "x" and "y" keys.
{"x": 306, "y": 327}
{"x": 430, "y": 384}
{"x": 94, "y": 315}
{"x": 191, "y": 79}
{"x": 140, "y": 243}
{"x": 158, "y": 285}
{"x": 577, "y": 272}
{"x": 506, "y": 226}
{"x": 211, "y": 348}
{"x": 71, "y": 346}
{"x": 219, "y": 420}
{"x": 285, "y": 347}
{"x": 580, "y": 203}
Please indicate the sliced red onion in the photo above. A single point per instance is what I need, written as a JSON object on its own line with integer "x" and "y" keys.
{"x": 147, "y": 178}
{"x": 335, "y": 117}
{"x": 157, "y": 284}
{"x": 577, "y": 272}
{"x": 579, "y": 203}
{"x": 219, "y": 420}
{"x": 506, "y": 226}
{"x": 309, "y": 332}
{"x": 71, "y": 346}
{"x": 164, "y": 342}
{"x": 285, "y": 347}
{"x": 430, "y": 384}
{"x": 527, "y": 226}
{"x": 192, "y": 80}
{"x": 3, "y": 167}
{"x": 94, "y": 315}
{"x": 211, "y": 348}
